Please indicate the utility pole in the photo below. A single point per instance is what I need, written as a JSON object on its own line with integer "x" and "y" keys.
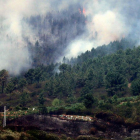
{"x": 4, "y": 119}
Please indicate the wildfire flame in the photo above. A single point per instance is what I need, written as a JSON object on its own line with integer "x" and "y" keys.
{"x": 84, "y": 11}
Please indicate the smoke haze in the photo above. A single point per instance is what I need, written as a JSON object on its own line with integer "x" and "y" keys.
{"x": 106, "y": 21}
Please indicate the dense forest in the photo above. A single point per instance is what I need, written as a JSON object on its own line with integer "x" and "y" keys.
{"x": 100, "y": 81}
{"x": 103, "y": 83}
{"x": 53, "y": 33}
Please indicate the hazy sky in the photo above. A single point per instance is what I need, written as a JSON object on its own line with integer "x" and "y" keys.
{"x": 107, "y": 20}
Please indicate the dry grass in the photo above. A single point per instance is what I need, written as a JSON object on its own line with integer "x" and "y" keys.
{"x": 8, "y": 134}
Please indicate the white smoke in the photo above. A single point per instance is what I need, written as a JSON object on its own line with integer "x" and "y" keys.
{"x": 13, "y": 29}
{"x": 107, "y": 20}
{"x": 105, "y": 23}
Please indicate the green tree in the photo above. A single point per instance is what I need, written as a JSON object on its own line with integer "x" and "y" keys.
{"x": 15, "y": 81}
{"x": 56, "y": 102}
{"x": 89, "y": 100}
{"x": 37, "y": 74}
{"x": 115, "y": 98}
{"x": 3, "y": 79}
{"x": 80, "y": 82}
{"x": 129, "y": 138}
{"x": 41, "y": 99}
{"x": 114, "y": 82}
{"x": 105, "y": 106}
{"x": 22, "y": 83}
{"x": 135, "y": 87}
{"x": 24, "y": 99}
{"x": 90, "y": 74}
{"x": 125, "y": 111}
{"x": 43, "y": 110}
{"x": 85, "y": 90}
{"x": 63, "y": 67}
{"x": 10, "y": 88}
{"x": 30, "y": 76}
{"x": 49, "y": 87}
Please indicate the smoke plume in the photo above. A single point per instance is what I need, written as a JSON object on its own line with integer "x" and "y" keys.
{"x": 14, "y": 53}
{"x": 106, "y": 21}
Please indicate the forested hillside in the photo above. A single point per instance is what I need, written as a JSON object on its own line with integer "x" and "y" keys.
{"x": 54, "y": 32}
{"x": 105, "y": 82}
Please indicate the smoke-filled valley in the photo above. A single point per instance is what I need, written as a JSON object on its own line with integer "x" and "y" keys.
{"x": 43, "y": 32}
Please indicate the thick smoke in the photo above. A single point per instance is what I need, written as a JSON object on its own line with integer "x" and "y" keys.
{"x": 14, "y": 53}
{"x": 107, "y": 20}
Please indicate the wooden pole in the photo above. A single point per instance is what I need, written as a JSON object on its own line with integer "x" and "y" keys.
{"x": 4, "y": 120}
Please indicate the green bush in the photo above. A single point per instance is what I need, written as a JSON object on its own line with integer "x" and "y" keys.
{"x": 56, "y": 102}
{"x": 129, "y": 138}
{"x": 105, "y": 106}
{"x": 125, "y": 111}
{"x": 7, "y": 134}
{"x": 41, "y": 135}
{"x": 23, "y": 137}
{"x": 18, "y": 108}
{"x": 51, "y": 137}
{"x": 86, "y": 138}
{"x": 43, "y": 110}
{"x": 135, "y": 87}
{"x": 63, "y": 137}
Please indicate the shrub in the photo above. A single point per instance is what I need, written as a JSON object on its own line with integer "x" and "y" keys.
{"x": 56, "y": 102}
{"x": 115, "y": 82}
{"x": 18, "y": 108}
{"x": 89, "y": 100}
{"x": 86, "y": 138}
{"x": 105, "y": 106}
{"x": 23, "y": 136}
{"x": 41, "y": 135}
{"x": 135, "y": 87}
{"x": 129, "y": 138}
{"x": 51, "y": 137}
{"x": 43, "y": 110}
{"x": 9, "y": 135}
{"x": 26, "y": 137}
{"x": 34, "y": 133}
{"x": 125, "y": 111}
{"x": 63, "y": 137}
